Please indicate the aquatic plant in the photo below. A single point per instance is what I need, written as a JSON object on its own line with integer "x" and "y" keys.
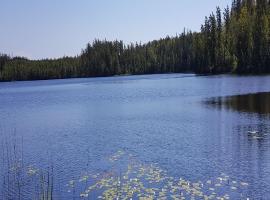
{"x": 16, "y": 176}
{"x": 149, "y": 181}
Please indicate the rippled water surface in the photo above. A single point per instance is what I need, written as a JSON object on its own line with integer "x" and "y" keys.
{"x": 156, "y": 137}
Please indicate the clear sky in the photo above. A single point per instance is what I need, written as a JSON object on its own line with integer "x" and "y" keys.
{"x": 54, "y": 28}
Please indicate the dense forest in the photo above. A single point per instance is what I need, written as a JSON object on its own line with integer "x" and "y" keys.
{"x": 235, "y": 40}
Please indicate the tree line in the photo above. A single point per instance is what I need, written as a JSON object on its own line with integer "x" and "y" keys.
{"x": 235, "y": 40}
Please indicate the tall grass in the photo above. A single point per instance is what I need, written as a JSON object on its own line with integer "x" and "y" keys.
{"x": 20, "y": 180}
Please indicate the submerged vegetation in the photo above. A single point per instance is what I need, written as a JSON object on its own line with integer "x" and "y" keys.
{"x": 126, "y": 178}
{"x": 135, "y": 180}
{"x": 234, "y": 40}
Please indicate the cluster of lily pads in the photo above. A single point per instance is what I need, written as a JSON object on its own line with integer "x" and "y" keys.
{"x": 146, "y": 182}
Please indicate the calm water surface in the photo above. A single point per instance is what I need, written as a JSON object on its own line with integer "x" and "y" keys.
{"x": 200, "y": 129}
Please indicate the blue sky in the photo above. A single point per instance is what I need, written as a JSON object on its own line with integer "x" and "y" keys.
{"x": 54, "y": 28}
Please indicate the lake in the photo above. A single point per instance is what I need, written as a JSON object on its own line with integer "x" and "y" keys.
{"x": 152, "y": 136}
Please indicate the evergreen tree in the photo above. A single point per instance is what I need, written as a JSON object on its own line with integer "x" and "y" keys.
{"x": 238, "y": 41}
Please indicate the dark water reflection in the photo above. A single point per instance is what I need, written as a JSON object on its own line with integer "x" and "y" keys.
{"x": 250, "y": 103}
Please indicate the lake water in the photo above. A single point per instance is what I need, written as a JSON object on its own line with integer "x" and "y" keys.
{"x": 137, "y": 136}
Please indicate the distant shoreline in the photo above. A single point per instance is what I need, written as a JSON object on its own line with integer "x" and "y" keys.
{"x": 131, "y": 75}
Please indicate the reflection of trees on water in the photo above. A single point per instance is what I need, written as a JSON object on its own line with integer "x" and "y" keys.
{"x": 251, "y": 103}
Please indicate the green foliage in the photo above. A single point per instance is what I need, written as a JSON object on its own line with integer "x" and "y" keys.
{"x": 237, "y": 40}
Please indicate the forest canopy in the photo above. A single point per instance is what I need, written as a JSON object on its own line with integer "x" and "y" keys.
{"x": 234, "y": 40}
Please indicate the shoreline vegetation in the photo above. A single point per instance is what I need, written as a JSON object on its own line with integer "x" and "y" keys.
{"x": 20, "y": 180}
{"x": 236, "y": 40}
